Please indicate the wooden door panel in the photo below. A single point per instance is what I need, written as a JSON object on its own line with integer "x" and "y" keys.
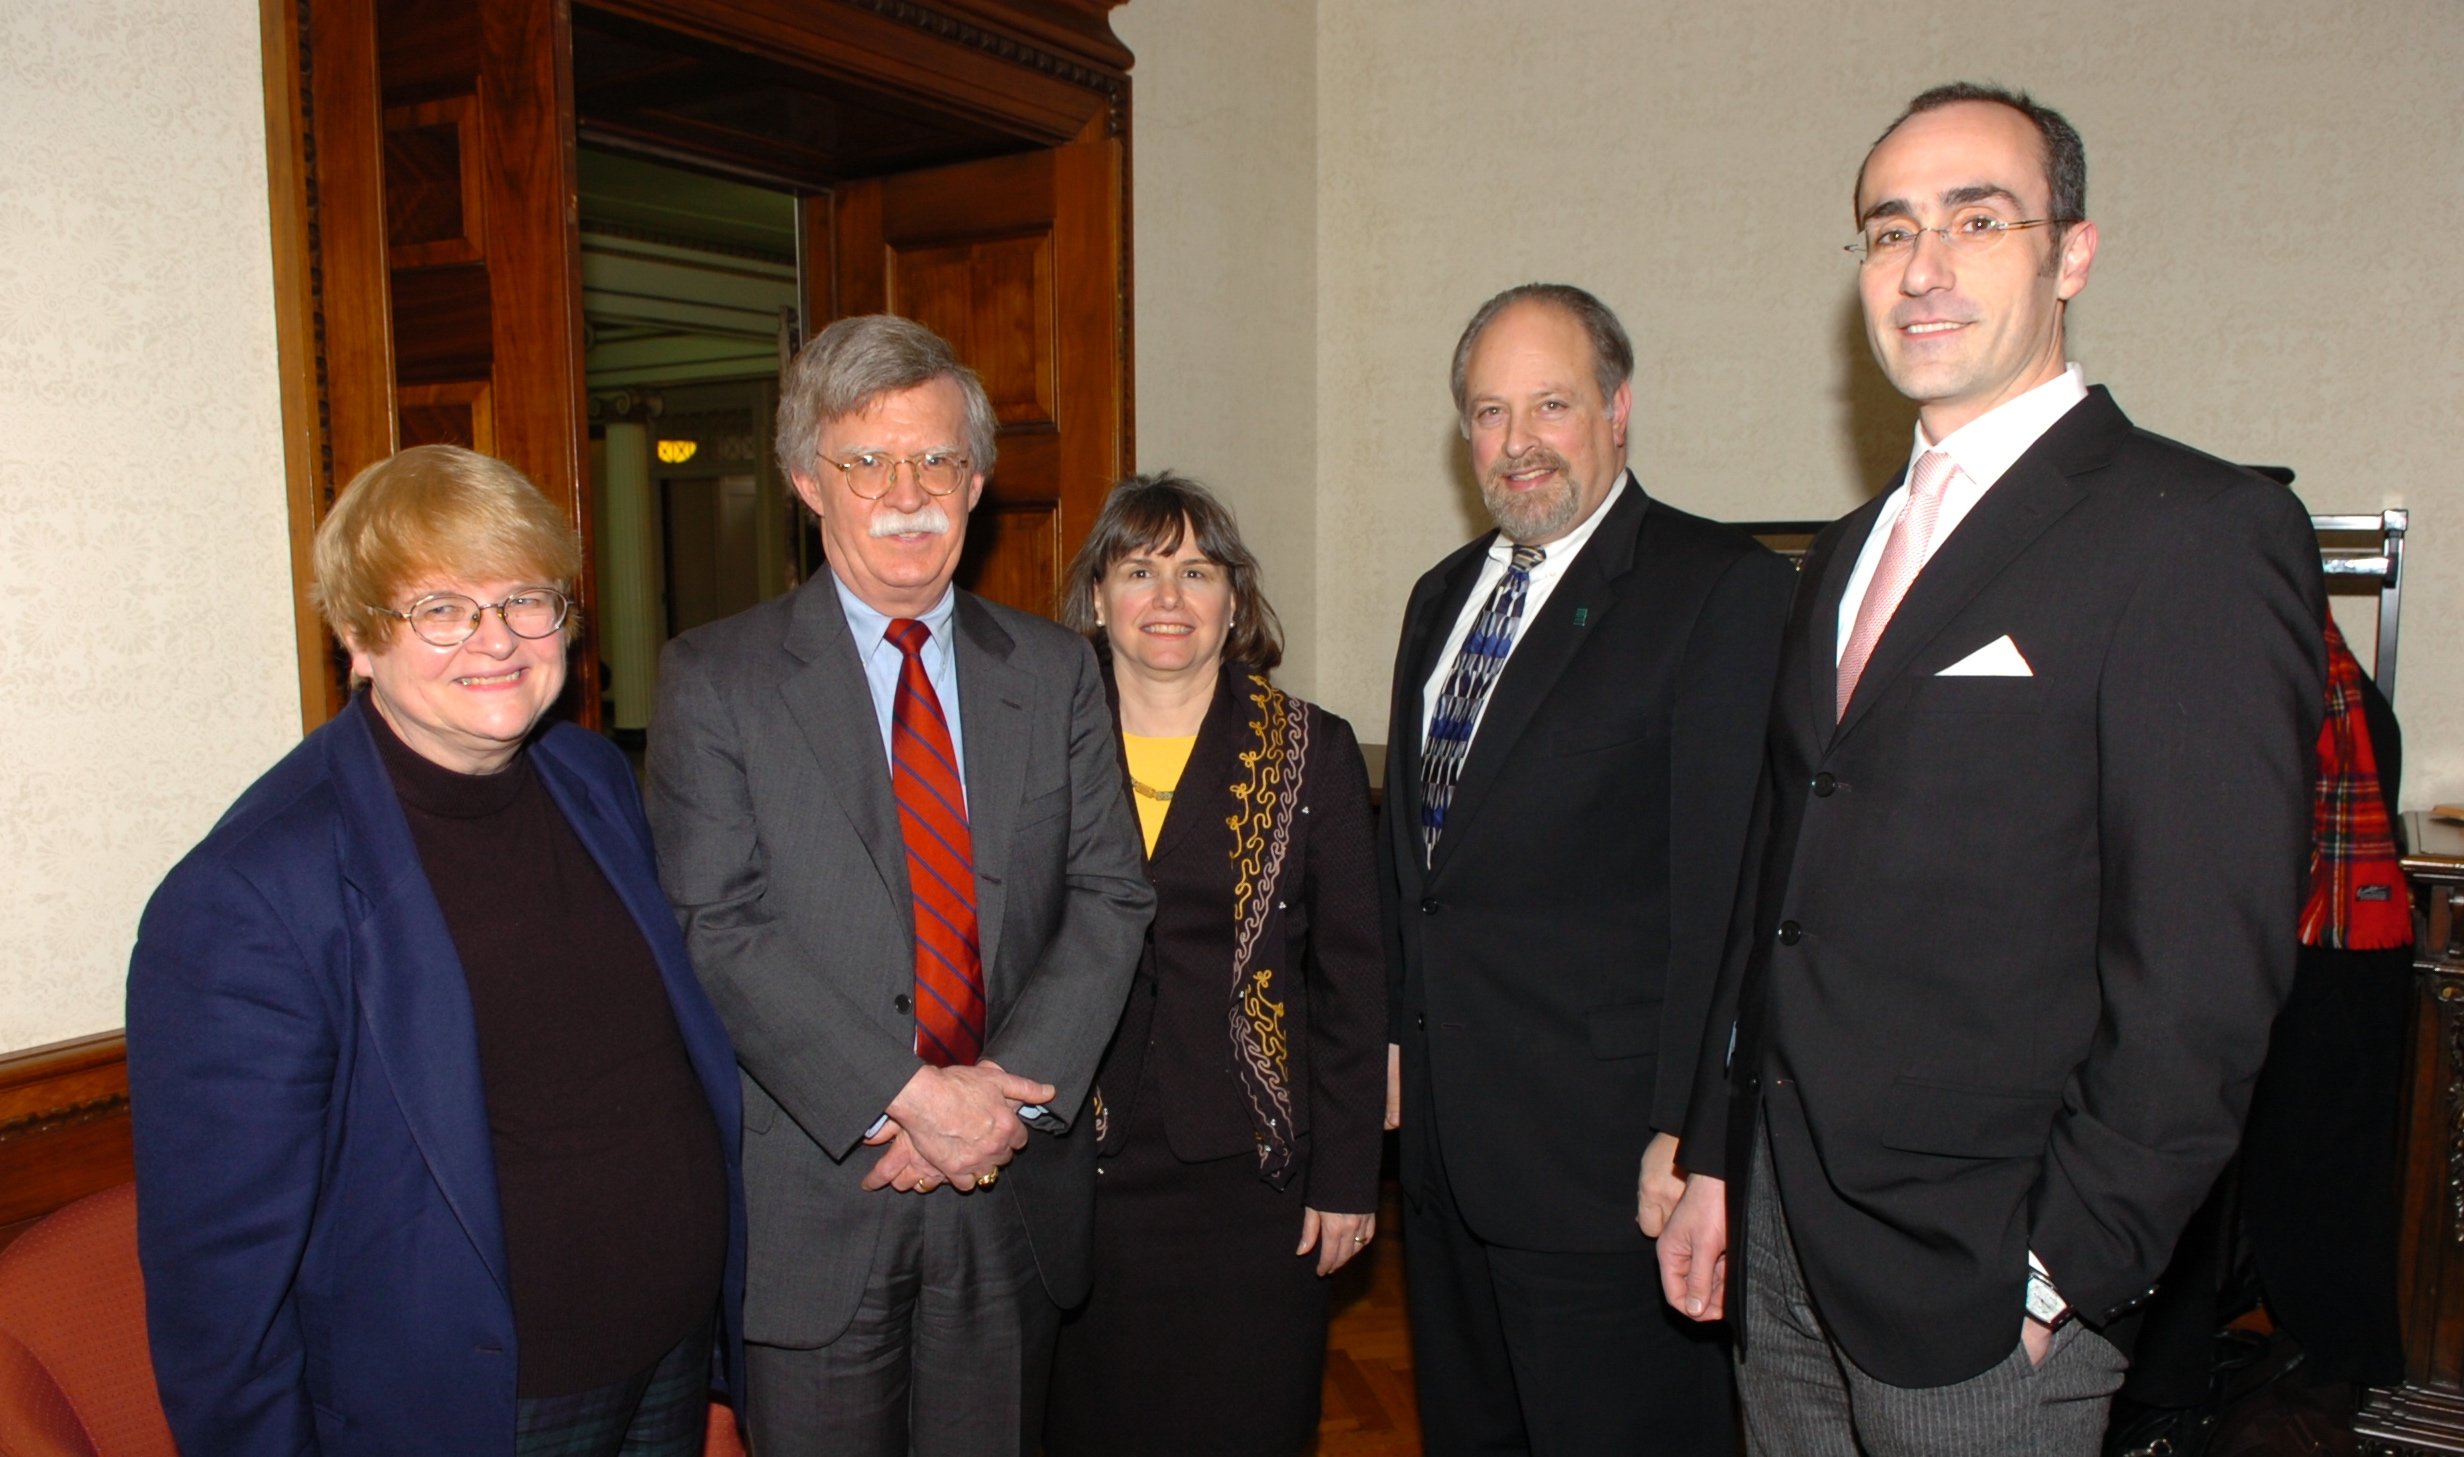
{"x": 435, "y": 197}
{"x": 1018, "y": 263}
{"x": 448, "y": 414}
{"x": 1014, "y": 553}
{"x": 449, "y": 257}
{"x": 992, "y": 299}
{"x": 535, "y": 260}
{"x": 974, "y": 199}
{"x": 444, "y": 324}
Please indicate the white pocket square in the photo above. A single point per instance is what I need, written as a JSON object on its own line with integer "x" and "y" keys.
{"x": 1997, "y": 659}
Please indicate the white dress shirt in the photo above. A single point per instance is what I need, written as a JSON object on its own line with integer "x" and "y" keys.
{"x": 1544, "y": 578}
{"x": 1984, "y": 449}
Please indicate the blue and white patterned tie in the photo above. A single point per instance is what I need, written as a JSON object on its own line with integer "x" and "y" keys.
{"x": 1467, "y": 687}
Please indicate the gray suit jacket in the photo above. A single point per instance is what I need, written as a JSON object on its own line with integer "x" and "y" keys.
{"x": 779, "y": 846}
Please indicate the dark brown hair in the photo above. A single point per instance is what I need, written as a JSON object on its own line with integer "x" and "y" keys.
{"x": 2066, "y": 157}
{"x": 1150, "y": 513}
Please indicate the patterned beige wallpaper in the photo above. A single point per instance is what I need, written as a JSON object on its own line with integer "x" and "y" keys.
{"x": 145, "y": 662}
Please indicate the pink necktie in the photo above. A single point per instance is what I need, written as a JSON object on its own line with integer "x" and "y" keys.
{"x": 1902, "y": 557}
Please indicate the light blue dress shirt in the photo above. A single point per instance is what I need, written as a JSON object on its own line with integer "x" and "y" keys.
{"x": 882, "y": 661}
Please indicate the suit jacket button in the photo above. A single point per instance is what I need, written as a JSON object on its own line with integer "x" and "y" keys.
{"x": 1824, "y": 783}
{"x": 904, "y": 1003}
{"x": 1420, "y": 1021}
{"x": 1791, "y": 933}
{"x": 1428, "y": 907}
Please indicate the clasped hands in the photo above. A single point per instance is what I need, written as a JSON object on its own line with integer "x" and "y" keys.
{"x": 955, "y": 1126}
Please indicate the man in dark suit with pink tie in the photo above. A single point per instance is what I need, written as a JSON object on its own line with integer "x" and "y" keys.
{"x": 2005, "y": 965}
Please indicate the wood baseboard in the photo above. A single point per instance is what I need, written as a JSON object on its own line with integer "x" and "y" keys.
{"x": 63, "y": 1126}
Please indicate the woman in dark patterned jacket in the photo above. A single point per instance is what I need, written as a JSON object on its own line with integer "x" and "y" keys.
{"x": 1238, "y": 1107}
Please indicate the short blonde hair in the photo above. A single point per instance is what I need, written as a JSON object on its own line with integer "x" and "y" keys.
{"x": 434, "y": 510}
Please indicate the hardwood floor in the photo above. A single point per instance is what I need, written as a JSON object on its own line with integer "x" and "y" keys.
{"x": 1369, "y": 1411}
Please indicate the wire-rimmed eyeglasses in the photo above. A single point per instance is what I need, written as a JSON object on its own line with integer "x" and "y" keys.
{"x": 872, "y": 474}
{"x": 447, "y": 619}
{"x": 1967, "y": 234}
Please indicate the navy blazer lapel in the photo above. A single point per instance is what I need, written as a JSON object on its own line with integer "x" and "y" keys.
{"x": 619, "y": 843}
{"x": 833, "y": 704}
{"x": 412, "y": 993}
{"x": 993, "y": 698}
{"x": 2029, "y": 497}
{"x": 1544, "y": 646}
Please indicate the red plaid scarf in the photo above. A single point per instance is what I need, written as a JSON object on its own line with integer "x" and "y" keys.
{"x": 2357, "y": 900}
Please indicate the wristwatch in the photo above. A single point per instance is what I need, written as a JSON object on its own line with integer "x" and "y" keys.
{"x": 2045, "y": 1304}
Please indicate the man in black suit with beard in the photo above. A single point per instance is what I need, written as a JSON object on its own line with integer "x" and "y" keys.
{"x": 1577, "y": 723}
{"x": 2040, "y": 767}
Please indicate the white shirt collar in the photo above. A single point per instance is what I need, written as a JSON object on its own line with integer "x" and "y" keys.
{"x": 1986, "y": 446}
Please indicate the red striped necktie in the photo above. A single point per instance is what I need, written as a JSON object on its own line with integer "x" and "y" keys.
{"x": 932, "y": 814}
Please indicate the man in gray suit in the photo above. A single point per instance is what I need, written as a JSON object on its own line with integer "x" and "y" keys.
{"x": 890, "y": 816}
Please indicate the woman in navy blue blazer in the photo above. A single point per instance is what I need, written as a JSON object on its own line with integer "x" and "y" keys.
{"x": 436, "y": 1132}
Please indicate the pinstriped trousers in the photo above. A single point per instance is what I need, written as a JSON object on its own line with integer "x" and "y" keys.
{"x": 1804, "y": 1398}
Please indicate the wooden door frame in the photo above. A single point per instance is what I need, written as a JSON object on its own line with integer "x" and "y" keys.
{"x": 1046, "y": 70}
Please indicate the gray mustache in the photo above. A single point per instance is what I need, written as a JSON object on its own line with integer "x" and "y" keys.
{"x": 1534, "y": 460}
{"x": 931, "y": 520}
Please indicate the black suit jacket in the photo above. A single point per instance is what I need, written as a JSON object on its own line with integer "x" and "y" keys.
{"x": 1280, "y": 1052}
{"x": 1553, "y": 966}
{"x": 2016, "y": 942}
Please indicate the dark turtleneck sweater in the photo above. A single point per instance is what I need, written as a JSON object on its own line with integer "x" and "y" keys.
{"x": 608, "y": 1169}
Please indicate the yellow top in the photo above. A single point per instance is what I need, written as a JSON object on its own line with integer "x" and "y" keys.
{"x": 1155, "y": 767}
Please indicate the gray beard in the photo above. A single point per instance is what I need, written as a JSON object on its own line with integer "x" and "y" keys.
{"x": 1533, "y": 516}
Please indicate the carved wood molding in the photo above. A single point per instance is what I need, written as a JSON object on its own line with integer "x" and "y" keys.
{"x": 305, "y": 78}
{"x": 64, "y": 1129}
{"x": 62, "y": 1081}
{"x": 65, "y": 1115}
{"x": 1045, "y": 71}
{"x": 1010, "y": 49}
